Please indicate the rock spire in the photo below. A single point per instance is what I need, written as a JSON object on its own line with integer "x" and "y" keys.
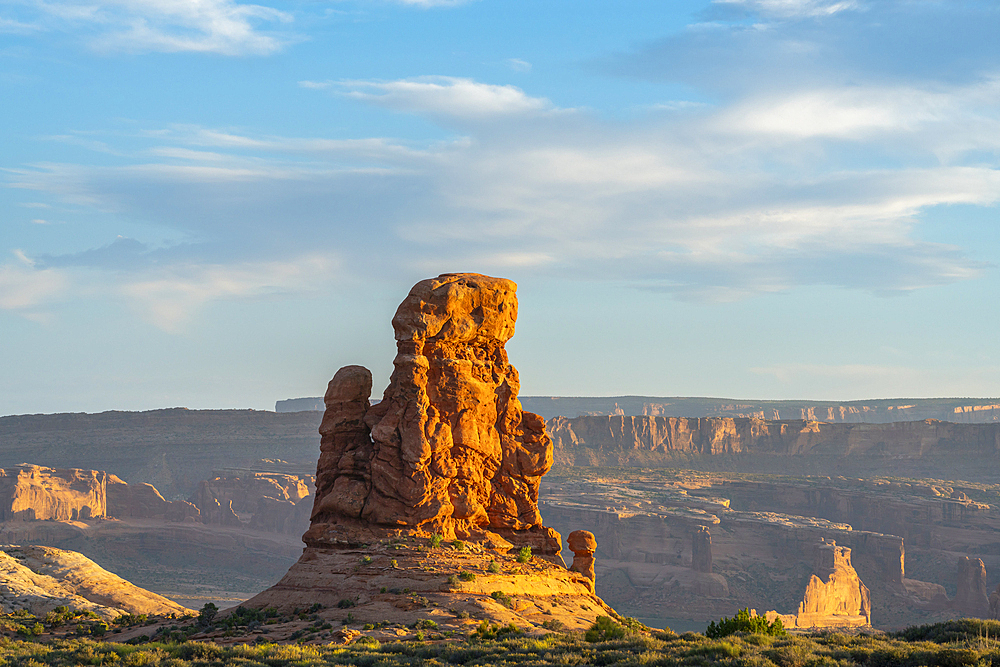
{"x": 448, "y": 449}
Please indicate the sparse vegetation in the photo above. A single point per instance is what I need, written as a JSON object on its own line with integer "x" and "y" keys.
{"x": 503, "y": 599}
{"x": 744, "y": 622}
{"x": 524, "y": 554}
{"x": 493, "y": 568}
{"x": 604, "y": 629}
{"x": 436, "y": 540}
{"x": 467, "y": 576}
{"x": 960, "y": 642}
{"x": 458, "y": 545}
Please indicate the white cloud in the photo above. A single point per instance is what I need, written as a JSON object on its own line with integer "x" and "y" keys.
{"x": 519, "y": 65}
{"x": 793, "y": 8}
{"x": 169, "y": 298}
{"x": 211, "y": 26}
{"x": 426, "y": 4}
{"x": 445, "y": 96}
{"x": 705, "y": 204}
{"x": 23, "y": 287}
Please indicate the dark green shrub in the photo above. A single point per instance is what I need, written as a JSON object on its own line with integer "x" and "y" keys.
{"x": 604, "y": 629}
{"x": 744, "y": 622}
{"x": 503, "y": 599}
{"x": 207, "y": 614}
{"x": 436, "y": 540}
{"x": 466, "y": 576}
{"x": 345, "y": 604}
{"x": 524, "y": 554}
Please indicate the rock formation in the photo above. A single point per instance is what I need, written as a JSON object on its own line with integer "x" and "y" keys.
{"x": 269, "y": 501}
{"x": 30, "y": 492}
{"x": 701, "y": 550}
{"x": 834, "y": 597}
{"x": 441, "y": 477}
{"x": 38, "y": 579}
{"x": 971, "y": 598}
{"x": 583, "y": 544}
{"x": 742, "y": 444}
{"x": 143, "y": 501}
{"x": 448, "y": 449}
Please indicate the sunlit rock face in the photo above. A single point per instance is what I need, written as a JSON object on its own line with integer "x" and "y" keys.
{"x": 448, "y": 449}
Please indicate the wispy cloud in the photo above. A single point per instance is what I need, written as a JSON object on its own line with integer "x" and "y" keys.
{"x": 210, "y": 26}
{"x": 448, "y": 97}
{"x": 22, "y": 286}
{"x": 170, "y": 297}
{"x": 791, "y": 8}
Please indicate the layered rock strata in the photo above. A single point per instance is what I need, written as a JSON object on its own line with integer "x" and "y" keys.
{"x": 30, "y": 492}
{"x": 440, "y": 478}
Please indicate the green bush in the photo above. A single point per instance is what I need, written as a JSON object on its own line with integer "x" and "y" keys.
{"x": 604, "y": 629}
{"x": 207, "y": 614}
{"x": 466, "y": 576}
{"x": 436, "y": 540}
{"x": 493, "y": 568}
{"x": 458, "y": 545}
{"x": 524, "y": 554}
{"x": 744, "y": 622}
{"x": 503, "y": 599}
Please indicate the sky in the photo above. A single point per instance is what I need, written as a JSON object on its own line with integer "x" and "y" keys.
{"x": 217, "y": 204}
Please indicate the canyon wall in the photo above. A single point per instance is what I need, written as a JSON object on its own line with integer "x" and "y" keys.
{"x": 916, "y": 449}
{"x": 883, "y": 411}
{"x": 172, "y": 449}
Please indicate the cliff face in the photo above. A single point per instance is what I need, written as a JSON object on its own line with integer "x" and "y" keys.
{"x": 172, "y": 449}
{"x": 962, "y": 410}
{"x": 29, "y": 493}
{"x": 921, "y": 448}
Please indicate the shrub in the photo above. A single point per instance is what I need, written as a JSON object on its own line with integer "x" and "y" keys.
{"x": 503, "y": 599}
{"x": 366, "y": 560}
{"x": 493, "y": 568}
{"x": 604, "y": 629}
{"x": 487, "y": 631}
{"x": 394, "y": 563}
{"x": 744, "y": 622}
{"x": 207, "y": 614}
{"x": 458, "y": 545}
{"x": 452, "y": 579}
{"x": 524, "y": 554}
{"x": 436, "y": 540}
{"x": 345, "y": 604}
{"x": 553, "y": 624}
{"x": 424, "y": 624}
{"x": 128, "y": 620}
{"x": 466, "y": 576}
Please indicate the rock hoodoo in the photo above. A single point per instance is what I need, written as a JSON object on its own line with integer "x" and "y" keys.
{"x": 435, "y": 487}
{"x": 701, "y": 550}
{"x": 448, "y": 450}
{"x": 583, "y": 544}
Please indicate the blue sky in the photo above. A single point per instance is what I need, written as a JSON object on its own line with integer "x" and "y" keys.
{"x": 213, "y": 204}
